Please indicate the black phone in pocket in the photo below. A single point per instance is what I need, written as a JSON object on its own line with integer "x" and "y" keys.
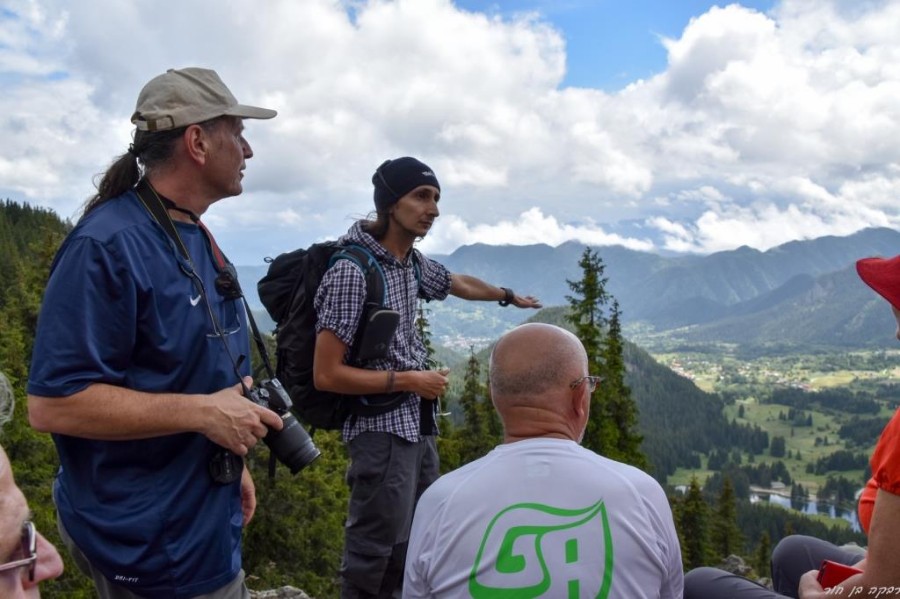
{"x": 376, "y": 332}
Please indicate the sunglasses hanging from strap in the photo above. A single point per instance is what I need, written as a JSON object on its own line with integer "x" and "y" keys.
{"x": 227, "y": 284}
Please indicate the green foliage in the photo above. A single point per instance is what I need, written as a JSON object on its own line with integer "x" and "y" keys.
{"x": 615, "y": 396}
{"x": 725, "y": 537}
{"x": 680, "y": 421}
{"x": 29, "y": 238}
{"x": 843, "y": 399}
{"x": 763, "y": 555}
{"x": 841, "y": 460}
{"x": 859, "y": 432}
{"x": 424, "y": 330}
{"x": 587, "y": 318}
{"x": 480, "y": 430}
{"x": 691, "y": 517}
{"x": 612, "y": 425}
{"x": 473, "y": 394}
{"x": 762, "y": 475}
{"x": 840, "y": 490}
{"x": 776, "y": 449}
{"x": 711, "y": 527}
{"x": 492, "y": 418}
{"x": 587, "y": 305}
{"x": 296, "y": 537}
{"x": 756, "y": 519}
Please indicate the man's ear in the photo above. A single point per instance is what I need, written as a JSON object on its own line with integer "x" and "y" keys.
{"x": 580, "y": 400}
{"x": 196, "y": 143}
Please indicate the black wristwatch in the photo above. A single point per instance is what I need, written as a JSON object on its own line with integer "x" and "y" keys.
{"x": 507, "y": 297}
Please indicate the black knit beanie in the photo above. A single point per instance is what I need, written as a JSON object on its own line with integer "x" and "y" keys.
{"x": 396, "y": 178}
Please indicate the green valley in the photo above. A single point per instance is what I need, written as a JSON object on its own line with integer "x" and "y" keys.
{"x": 822, "y": 411}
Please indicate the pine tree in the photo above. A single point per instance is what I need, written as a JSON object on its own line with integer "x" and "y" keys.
{"x": 777, "y": 448}
{"x": 725, "y": 536}
{"x": 492, "y": 418}
{"x": 762, "y": 558}
{"x": 587, "y": 317}
{"x": 586, "y": 308}
{"x": 612, "y": 425}
{"x": 423, "y": 329}
{"x": 474, "y": 436}
{"x": 692, "y": 521}
{"x": 615, "y": 396}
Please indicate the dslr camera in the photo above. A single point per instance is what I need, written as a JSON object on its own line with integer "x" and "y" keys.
{"x": 292, "y": 445}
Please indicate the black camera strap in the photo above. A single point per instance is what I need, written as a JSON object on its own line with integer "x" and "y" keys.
{"x": 158, "y": 209}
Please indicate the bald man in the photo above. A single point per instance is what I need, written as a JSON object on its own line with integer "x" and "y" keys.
{"x": 541, "y": 516}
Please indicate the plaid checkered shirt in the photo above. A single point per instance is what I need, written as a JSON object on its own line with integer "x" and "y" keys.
{"x": 339, "y": 303}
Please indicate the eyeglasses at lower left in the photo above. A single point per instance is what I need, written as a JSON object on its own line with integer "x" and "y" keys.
{"x": 26, "y": 555}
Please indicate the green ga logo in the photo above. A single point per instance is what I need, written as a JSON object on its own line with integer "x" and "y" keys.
{"x": 524, "y": 542}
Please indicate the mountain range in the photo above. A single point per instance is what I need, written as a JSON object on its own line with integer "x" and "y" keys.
{"x": 800, "y": 293}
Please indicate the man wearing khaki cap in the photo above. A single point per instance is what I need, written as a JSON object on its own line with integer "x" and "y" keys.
{"x": 136, "y": 356}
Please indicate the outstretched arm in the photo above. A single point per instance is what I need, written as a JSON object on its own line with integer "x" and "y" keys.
{"x": 472, "y": 288}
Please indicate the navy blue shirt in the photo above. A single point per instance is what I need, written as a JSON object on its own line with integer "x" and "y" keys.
{"x": 119, "y": 309}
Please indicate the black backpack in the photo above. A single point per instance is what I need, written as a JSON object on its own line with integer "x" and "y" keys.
{"x": 288, "y": 291}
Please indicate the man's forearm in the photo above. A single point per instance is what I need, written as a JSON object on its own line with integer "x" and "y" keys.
{"x": 111, "y": 413}
{"x": 472, "y": 288}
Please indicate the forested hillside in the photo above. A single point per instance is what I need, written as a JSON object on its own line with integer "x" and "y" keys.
{"x": 28, "y": 239}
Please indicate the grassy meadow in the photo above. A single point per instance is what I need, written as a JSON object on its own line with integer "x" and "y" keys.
{"x": 747, "y": 383}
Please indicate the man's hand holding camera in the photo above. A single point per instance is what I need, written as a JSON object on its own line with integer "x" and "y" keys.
{"x": 236, "y": 423}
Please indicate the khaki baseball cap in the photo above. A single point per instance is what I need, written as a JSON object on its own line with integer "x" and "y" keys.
{"x": 182, "y": 97}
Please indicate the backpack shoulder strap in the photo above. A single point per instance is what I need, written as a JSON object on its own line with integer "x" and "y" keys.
{"x": 417, "y": 265}
{"x": 376, "y": 282}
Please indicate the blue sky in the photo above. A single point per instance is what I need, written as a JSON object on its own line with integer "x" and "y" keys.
{"x": 679, "y": 126}
{"x": 610, "y": 43}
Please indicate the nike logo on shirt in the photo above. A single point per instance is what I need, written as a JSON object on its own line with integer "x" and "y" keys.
{"x": 195, "y": 300}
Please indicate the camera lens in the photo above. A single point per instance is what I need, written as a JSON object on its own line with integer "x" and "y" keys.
{"x": 292, "y": 445}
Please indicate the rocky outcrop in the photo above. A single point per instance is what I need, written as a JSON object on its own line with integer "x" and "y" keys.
{"x": 282, "y": 593}
{"x": 737, "y": 565}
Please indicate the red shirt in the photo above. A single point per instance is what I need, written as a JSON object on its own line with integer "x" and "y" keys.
{"x": 885, "y": 464}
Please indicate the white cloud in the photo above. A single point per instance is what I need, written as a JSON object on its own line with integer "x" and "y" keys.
{"x": 763, "y": 127}
{"x": 762, "y": 224}
{"x": 530, "y": 227}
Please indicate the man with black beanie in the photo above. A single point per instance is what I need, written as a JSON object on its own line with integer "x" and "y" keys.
{"x": 393, "y": 454}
